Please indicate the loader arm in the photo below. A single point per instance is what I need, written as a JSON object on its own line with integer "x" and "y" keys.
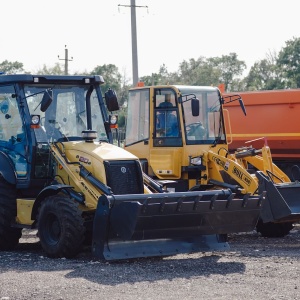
{"x": 263, "y": 163}
{"x": 225, "y": 169}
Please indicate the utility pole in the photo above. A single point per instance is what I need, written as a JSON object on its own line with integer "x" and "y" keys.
{"x": 66, "y": 59}
{"x": 135, "y": 73}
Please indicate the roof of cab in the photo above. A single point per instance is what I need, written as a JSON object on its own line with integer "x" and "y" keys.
{"x": 28, "y": 78}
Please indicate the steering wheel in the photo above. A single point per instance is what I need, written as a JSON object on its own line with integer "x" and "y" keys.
{"x": 196, "y": 129}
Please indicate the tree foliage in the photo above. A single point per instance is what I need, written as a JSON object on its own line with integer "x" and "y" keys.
{"x": 9, "y": 67}
{"x": 160, "y": 78}
{"x": 55, "y": 70}
{"x": 111, "y": 76}
{"x": 265, "y": 74}
{"x": 198, "y": 72}
{"x": 229, "y": 66}
{"x": 113, "y": 80}
{"x": 201, "y": 71}
{"x": 289, "y": 61}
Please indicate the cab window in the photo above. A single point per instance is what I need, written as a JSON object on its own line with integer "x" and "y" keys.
{"x": 137, "y": 126}
{"x": 167, "y": 128}
{"x": 12, "y": 134}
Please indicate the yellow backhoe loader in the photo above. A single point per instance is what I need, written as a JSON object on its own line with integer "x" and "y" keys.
{"x": 61, "y": 174}
{"x": 178, "y": 133}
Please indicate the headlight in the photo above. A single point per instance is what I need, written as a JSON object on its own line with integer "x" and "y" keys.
{"x": 35, "y": 119}
{"x": 113, "y": 119}
{"x": 196, "y": 161}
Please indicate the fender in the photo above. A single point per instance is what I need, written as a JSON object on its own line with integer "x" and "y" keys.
{"x": 49, "y": 191}
{"x": 7, "y": 170}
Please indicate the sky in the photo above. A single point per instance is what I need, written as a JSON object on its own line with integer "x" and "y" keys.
{"x": 98, "y": 32}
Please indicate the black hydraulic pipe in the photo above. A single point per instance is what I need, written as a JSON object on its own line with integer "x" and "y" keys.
{"x": 88, "y": 108}
{"x": 94, "y": 181}
{"x": 234, "y": 188}
{"x": 155, "y": 185}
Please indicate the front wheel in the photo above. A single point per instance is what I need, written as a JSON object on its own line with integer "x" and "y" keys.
{"x": 271, "y": 229}
{"x": 9, "y": 236}
{"x": 60, "y": 227}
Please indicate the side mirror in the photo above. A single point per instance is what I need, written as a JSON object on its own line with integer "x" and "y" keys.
{"x": 195, "y": 107}
{"x": 234, "y": 98}
{"x": 111, "y": 100}
{"x": 242, "y": 106}
{"x": 46, "y": 100}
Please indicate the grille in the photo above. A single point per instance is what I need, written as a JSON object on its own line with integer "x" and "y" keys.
{"x": 124, "y": 177}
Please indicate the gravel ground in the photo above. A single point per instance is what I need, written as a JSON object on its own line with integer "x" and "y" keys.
{"x": 253, "y": 268}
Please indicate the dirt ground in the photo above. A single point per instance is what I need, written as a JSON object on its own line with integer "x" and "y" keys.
{"x": 253, "y": 268}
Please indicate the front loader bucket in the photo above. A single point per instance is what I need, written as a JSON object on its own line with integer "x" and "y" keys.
{"x": 282, "y": 200}
{"x": 161, "y": 224}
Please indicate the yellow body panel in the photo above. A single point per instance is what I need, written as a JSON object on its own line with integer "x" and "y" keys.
{"x": 166, "y": 162}
{"x": 92, "y": 156}
{"x": 24, "y": 209}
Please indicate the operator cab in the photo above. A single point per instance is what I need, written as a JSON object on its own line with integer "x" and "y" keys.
{"x": 36, "y": 110}
{"x": 180, "y": 114}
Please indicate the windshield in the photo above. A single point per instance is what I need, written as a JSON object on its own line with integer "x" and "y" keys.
{"x": 66, "y": 116}
{"x": 207, "y": 127}
{"x": 137, "y": 127}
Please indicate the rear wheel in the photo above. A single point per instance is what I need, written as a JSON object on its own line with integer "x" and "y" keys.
{"x": 60, "y": 227}
{"x": 9, "y": 236}
{"x": 271, "y": 229}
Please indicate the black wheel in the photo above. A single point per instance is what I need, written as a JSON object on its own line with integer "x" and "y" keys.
{"x": 9, "y": 236}
{"x": 271, "y": 229}
{"x": 60, "y": 227}
{"x": 222, "y": 238}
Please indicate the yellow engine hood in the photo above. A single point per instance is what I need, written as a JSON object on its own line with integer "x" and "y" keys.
{"x": 98, "y": 150}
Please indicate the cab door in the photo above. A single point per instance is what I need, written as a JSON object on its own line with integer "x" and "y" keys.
{"x": 166, "y": 153}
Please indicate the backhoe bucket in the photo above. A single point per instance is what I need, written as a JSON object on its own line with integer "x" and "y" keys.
{"x": 161, "y": 224}
{"x": 282, "y": 200}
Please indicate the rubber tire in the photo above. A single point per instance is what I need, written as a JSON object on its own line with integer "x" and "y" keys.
{"x": 9, "y": 236}
{"x": 60, "y": 227}
{"x": 271, "y": 229}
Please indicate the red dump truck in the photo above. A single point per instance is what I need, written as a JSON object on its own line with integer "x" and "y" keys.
{"x": 273, "y": 117}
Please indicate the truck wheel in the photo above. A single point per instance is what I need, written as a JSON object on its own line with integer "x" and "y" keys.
{"x": 271, "y": 229}
{"x": 60, "y": 227}
{"x": 9, "y": 236}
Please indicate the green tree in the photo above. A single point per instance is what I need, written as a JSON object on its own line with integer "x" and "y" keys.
{"x": 289, "y": 61}
{"x": 198, "y": 72}
{"x": 111, "y": 76}
{"x": 9, "y": 67}
{"x": 230, "y": 67}
{"x": 265, "y": 74}
{"x": 56, "y": 70}
{"x": 114, "y": 80}
{"x": 160, "y": 78}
